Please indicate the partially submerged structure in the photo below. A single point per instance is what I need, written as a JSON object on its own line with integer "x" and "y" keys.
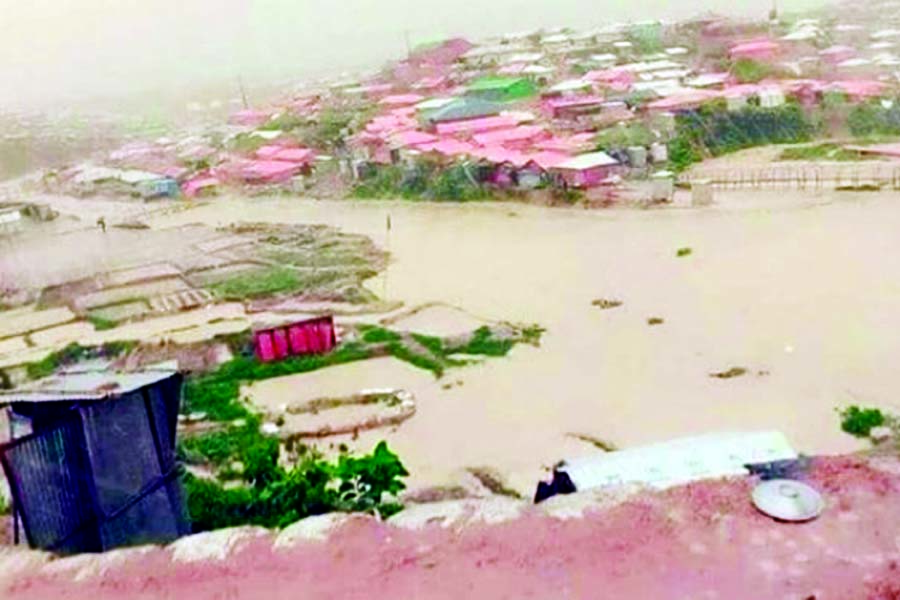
{"x": 670, "y": 463}
{"x": 92, "y": 465}
{"x": 312, "y": 336}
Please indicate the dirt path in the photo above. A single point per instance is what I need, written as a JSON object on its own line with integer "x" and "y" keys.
{"x": 700, "y": 541}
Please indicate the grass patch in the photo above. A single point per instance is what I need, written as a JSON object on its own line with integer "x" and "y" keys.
{"x": 75, "y": 353}
{"x": 101, "y": 324}
{"x": 686, "y": 251}
{"x": 377, "y": 335}
{"x": 258, "y": 283}
{"x": 484, "y": 343}
{"x": 434, "y": 344}
{"x": 217, "y": 393}
{"x": 400, "y": 351}
{"x": 824, "y": 151}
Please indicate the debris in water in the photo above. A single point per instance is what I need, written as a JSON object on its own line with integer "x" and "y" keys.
{"x": 604, "y": 303}
{"x": 686, "y": 251}
{"x": 596, "y": 442}
{"x": 732, "y": 372}
{"x": 655, "y": 321}
{"x": 493, "y": 482}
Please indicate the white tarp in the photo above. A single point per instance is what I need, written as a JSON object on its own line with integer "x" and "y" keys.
{"x": 680, "y": 461}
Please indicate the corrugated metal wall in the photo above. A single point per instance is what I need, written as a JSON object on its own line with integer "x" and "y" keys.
{"x": 105, "y": 477}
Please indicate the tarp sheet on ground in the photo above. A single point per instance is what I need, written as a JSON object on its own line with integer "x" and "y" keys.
{"x": 680, "y": 461}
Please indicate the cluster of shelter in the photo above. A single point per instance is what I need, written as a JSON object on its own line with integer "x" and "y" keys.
{"x": 526, "y": 109}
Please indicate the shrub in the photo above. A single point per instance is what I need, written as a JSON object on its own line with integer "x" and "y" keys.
{"x": 625, "y": 135}
{"x": 714, "y": 130}
{"x": 276, "y": 497}
{"x": 483, "y": 342}
{"x": 870, "y": 119}
{"x": 859, "y": 422}
{"x": 746, "y": 70}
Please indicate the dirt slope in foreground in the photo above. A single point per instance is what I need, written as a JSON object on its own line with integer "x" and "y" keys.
{"x": 699, "y": 541}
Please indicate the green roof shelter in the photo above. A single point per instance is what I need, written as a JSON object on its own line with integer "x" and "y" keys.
{"x": 502, "y": 89}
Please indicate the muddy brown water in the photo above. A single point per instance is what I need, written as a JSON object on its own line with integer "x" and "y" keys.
{"x": 801, "y": 290}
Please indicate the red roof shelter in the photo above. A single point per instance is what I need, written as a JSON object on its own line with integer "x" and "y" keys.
{"x": 313, "y": 336}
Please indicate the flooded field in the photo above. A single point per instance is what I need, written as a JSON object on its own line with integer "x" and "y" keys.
{"x": 799, "y": 291}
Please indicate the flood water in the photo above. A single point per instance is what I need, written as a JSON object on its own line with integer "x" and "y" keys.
{"x": 802, "y": 292}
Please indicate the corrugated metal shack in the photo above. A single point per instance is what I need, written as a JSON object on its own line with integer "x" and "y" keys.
{"x": 92, "y": 465}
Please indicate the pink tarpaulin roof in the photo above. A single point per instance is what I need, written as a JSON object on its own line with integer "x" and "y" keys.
{"x": 193, "y": 186}
{"x": 755, "y": 49}
{"x": 401, "y": 99}
{"x": 617, "y": 79}
{"x": 743, "y": 89}
{"x": 268, "y": 170}
{"x": 860, "y": 88}
{"x": 448, "y": 147}
{"x": 390, "y": 123}
{"x": 572, "y": 144}
{"x": 412, "y": 138}
{"x": 500, "y": 155}
{"x": 475, "y": 125}
{"x": 517, "y": 134}
{"x": 405, "y": 112}
{"x": 268, "y": 152}
{"x": 249, "y": 117}
{"x": 297, "y": 155}
{"x": 548, "y": 159}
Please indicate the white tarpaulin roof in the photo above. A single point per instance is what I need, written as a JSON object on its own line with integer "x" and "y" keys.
{"x": 680, "y": 461}
{"x": 588, "y": 161}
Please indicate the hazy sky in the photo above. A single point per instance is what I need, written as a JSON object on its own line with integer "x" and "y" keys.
{"x": 51, "y": 50}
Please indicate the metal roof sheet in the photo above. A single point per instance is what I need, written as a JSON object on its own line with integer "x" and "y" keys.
{"x": 88, "y": 384}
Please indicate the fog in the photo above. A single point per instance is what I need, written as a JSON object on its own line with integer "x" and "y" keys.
{"x": 54, "y": 51}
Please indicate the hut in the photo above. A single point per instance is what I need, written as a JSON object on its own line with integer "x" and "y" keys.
{"x": 312, "y": 336}
{"x": 586, "y": 170}
{"x": 92, "y": 464}
{"x": 502, "y": 89}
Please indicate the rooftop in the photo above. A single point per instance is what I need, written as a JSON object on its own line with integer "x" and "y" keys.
{"x": 86, "y": 384}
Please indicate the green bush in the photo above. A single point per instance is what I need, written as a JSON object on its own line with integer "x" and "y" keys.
{"x": 873, "y": 119}
{"x": 276, "y": 497}
{"x": 746, "y": 70}
{"x": 859, "y": 422}
{"x": 623, "y": 136}
{"x": 101, "y": 324}
{"x": 713, "y": 130}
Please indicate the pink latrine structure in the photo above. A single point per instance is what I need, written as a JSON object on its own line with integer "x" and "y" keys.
{"x": 313, "y": 336}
